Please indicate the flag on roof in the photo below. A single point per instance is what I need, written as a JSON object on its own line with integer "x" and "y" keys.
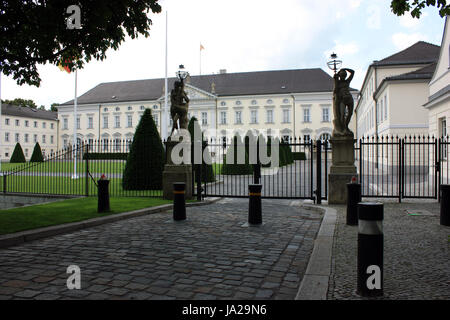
{"x": 64, "y": 68}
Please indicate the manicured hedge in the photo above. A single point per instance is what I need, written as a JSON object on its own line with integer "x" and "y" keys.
{"x": 105, "y": 156}
{"x": 207, "y": 169}
{"x": 37, "y": 154}
{"x": 17, "y": 156}
{"x": 235, "y": 168}
{"x": 299, "y": 155}
{"x": 145, "y": 162}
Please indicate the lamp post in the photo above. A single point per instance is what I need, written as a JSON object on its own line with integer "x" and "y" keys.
{"x": 334, "y": 64}
{"x": 181, "y": 73}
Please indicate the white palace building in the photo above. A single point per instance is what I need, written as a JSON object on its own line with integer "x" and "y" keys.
{"x": 295, "y": 103}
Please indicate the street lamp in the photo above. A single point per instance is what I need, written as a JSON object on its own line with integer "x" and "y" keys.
{"x": 334, "y": 64}
{"x": 181, "y": 73}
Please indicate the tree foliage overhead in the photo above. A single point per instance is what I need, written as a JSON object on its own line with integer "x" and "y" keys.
{"x": 35, "y": 32}
{"x": 399, "y": 7}
{"x": 21, "y": 102}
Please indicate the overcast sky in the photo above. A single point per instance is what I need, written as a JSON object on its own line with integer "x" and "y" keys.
{"x": 246, "y": 35}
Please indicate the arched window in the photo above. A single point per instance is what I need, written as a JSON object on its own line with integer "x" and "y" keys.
{"x": 325, "y": 138}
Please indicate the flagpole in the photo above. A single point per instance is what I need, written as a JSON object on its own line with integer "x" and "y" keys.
{"x": 165, "y": 120}
{"x": 75, "y": 122}
{"x": 200, "y": 59}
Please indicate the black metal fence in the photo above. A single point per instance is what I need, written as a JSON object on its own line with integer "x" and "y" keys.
{"x": 402, "y": 167}
{"x": 302, "y": 178}
{"x": 391, "y": 167}
{"x": 75, "y": 171}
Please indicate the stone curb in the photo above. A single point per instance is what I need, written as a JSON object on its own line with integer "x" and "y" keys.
{"x": 17, "y": 238}
{"x": 314, "y": 285}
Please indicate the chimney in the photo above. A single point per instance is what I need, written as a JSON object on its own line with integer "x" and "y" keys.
{"x": 223, "y": 71}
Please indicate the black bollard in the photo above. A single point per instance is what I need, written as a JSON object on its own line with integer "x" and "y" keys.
{"x": 445, "y": 204}
{"x": 103, "y": 196}
{"x": 370, "y": 249}
{"x": 179, "y": 201}
{"x": 353, "y": 198}
{"x": 254, "y": 207}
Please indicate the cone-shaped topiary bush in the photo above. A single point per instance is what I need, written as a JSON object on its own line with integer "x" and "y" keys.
{"x": 234, "y": 168}
{"x": 207, "y": 169}
{"x": 37, "y": 154}
{"x": 17, "y": 156}
{"x": 145, "y": 162}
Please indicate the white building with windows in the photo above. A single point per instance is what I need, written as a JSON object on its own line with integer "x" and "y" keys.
{"x": 27, "y": 126}
{"x": 438, "y": 102}
{"x": 394, "y": 91}
{"x": 294, "y": 102}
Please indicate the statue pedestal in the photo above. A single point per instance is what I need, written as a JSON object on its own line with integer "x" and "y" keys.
{"x": 342, "y": 169}
{"x": 177, "y": 172}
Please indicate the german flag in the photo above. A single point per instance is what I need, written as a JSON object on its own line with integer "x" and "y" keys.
{"x": 64, "y": 68}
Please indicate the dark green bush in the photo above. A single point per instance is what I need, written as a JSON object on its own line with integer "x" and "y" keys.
{"x": 299, "y": 155}
{"x": 105, "y": 156}
{"x": 235, "y": 168}
{"x": 37, "y": 154}
{"x": 17, "y": 156}
{"x": 207, "y": 169}
{"x": 145, "y": 162}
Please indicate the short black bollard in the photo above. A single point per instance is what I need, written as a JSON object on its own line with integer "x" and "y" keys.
{"x": 353, "y": 198}
{"x": 254, "y": 207}
{"x": 179, "y": 201}
{"x": 103, "y": 196}
{"x": 370, "y": 249}
{"x": 445, "y": 204}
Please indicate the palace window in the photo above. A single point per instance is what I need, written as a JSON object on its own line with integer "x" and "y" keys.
{"x": 27, "y": 123}
{"x": 269, "y": 116}
{"x": 78, "y": 123}
{"x": 204, "y": 118}
{"x": 26, "y": 137}
{"x": 6, "y": 136}
{"x": 105, "y": 122}
{"x": 223, "y": 117}
{"x": 306, "y": 115}
{"x": 117, "y": 122}
{"x": 254, "y": 116}
{"x": 286, "y": 116}
{"x": 326, "y": 115}
{"x": 35, "y": 138}
{"x": 7, "y": 121}
{"x": 238, "y": 117}
{"x": 17, "y": 137}
{"x": 90, "y": 123}
{"x": 35, "y": 124}
{"x": 129, "y": 121}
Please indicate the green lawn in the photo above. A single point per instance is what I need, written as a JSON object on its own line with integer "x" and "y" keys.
{"x": 44, "y": 215}
{"x": 67, "y": 166}
{"x": 68, "y": 186}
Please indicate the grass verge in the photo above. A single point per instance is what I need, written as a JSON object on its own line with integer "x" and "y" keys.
{"x": 73, "y": 210}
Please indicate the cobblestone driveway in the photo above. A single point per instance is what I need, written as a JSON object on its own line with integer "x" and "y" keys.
{"x": 209, "y": 256}
{"x": 416, "y": 253}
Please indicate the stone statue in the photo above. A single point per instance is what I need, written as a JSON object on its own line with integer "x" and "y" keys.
{"x": 342, "y": 102}
{"x": 179, "y": 104}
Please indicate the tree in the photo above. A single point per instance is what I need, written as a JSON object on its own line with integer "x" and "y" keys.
{"x": 37, "y": 154}
{"x": 145, "y": 162}
{"x": 399, "y": 7}
{"x": 36, "y": 32}
{"x": 17, "y": 156}
{"x": 236, "y": 168}
{"x": 21, "y": 102}
{"x": 207, "y": 169}
{"x": 53, "y": 107}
